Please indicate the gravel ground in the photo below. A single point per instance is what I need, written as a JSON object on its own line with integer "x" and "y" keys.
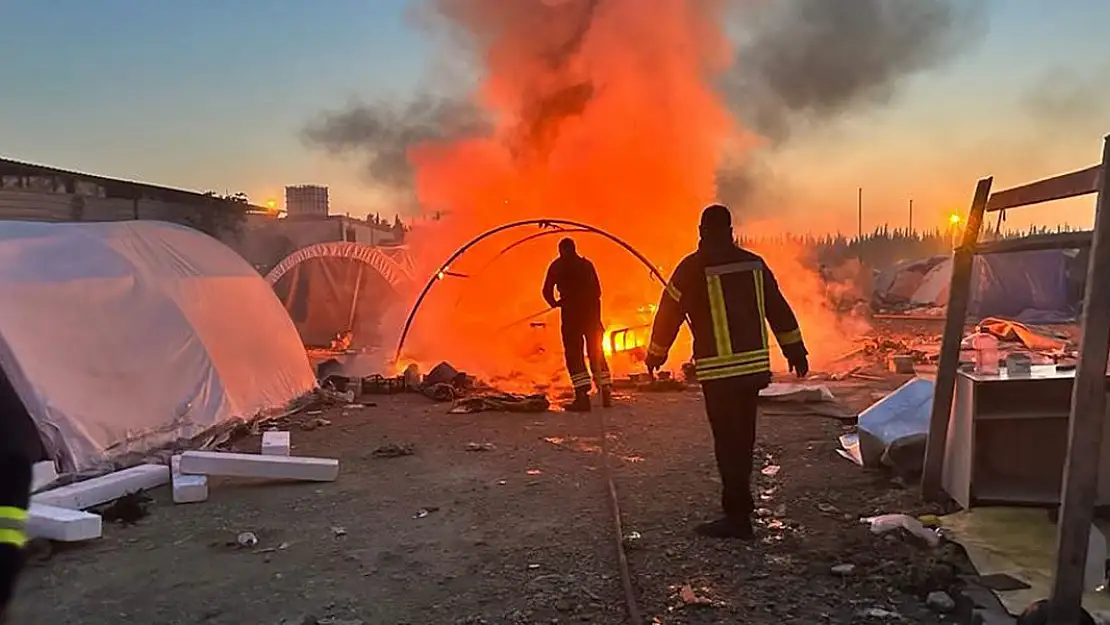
{"x": 512, "y": 529}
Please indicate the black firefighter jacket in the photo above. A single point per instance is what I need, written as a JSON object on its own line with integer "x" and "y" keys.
{"x": 729, "y": 296}
{"x": 579, "y": 291}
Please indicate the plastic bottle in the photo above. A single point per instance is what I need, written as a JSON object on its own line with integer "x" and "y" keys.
{"x": 986, "y": 353}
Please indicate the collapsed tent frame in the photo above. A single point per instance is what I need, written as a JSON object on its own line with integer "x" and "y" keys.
{"x": 1088, "y": 403}
{"x": 559, "y": 225}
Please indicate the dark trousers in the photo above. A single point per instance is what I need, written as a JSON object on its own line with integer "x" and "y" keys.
{"x": 732, "y": 406}
{"x": 15, "y": 495}
{"x": 585, "y": 333}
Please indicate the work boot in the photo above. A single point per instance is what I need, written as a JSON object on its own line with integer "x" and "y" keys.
{"x": 581, "y": 401}
{"x": 607, "y": 396}
{"x": 727, "y": 528}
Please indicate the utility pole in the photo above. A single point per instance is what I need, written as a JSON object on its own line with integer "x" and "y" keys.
{"x": 859, "y": 214}
{"x": 911, "y": 216}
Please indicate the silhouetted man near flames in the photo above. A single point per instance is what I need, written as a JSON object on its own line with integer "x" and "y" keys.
{"x": 729, "y": 295}
{"x": 580, "y": 303}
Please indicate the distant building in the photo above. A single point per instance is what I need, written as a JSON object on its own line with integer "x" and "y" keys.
{"x": 306, "y": 200}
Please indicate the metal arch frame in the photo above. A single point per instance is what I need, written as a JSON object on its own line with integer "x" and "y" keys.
{"x": 393, "y": 271}
{"x": 542, "y": 223}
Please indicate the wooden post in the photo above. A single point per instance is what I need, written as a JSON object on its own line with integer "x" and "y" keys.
{"x": 959, "y": 292}
{"x": 1088, "y": 410}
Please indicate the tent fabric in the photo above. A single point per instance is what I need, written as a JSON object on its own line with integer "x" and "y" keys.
{"x": 124, "y": 336}
{"x": 328, "y": 297}
{"x": 1003, "y": 285}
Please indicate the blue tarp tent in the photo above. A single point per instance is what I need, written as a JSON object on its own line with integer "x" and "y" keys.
{"x": 1027, "y": 286}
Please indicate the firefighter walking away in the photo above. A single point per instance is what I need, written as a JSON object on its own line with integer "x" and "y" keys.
{"x": 580, "y": 304}
{"x": 730, "y": 297}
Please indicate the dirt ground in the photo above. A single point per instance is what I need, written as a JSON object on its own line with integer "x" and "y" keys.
{"x": 517, "y": 533}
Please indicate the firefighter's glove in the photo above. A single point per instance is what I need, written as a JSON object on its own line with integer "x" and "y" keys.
{"x": 797, "y": 360}
{"x": 654, "y": 362}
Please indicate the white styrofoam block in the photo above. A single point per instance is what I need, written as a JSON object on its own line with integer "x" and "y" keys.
{"x": 62, "y": 524}
{"x": 89, "y": 493}
{"x": 43, "y": 474}
{"x": 275, "y": 443}
{"x": 187, "y": 488}
{"x": 259, "y": 466}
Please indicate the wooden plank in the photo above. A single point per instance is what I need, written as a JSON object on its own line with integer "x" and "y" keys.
{"x": 959, "y": 292}
{"x": 62, "y": 524}
{"x": 1037, "y": 242}
{"x": 259, "y": 466}
{"x": 1088, "y": 407}
{"x": 187, "y": 488}
{"x": 1061, "y": 187}
{"x": 275, "y": 443}
{"x": 81, "y": 495}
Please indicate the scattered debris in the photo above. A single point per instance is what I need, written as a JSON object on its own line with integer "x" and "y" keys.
{"x": 395, "y": 450}
{"x": 688, "y": 597}
{"x": 312, "y": 424}
{"x": 890, "y": 522}
{"x": 843, "y": 570}
{"x": 128, "y": 509}
{"x": 423, "y": 512}
{"x": 880, "y": 613}
{"x": 940, "y": 601}
{"x": 501, "y": 402}
{"x": 771, "y": 470}
{"x": 480, "y": 447}
{"x": 632, "y": 540}
{"x": 338, "y": 531}
{"x": 246, "y": 540}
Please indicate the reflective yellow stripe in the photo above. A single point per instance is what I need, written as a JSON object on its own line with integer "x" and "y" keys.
{"x": 579, "y": 380}
{"x": 758, "y": 279}
{"x": 719, "y": 314}
{"x": 673, "y": 291}
{"x": 734, "y": 371}
{"x": 603, "y": 379}
{"x": 655, "y": 349}
{"x": 14, "y": 538}
{"x": 789, "y": 338}
{"x": 12, "y": 513}
{"x": 733, "y": 359}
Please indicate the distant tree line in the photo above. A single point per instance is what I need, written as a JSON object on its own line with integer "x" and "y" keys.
{"x": 886, "y": 246}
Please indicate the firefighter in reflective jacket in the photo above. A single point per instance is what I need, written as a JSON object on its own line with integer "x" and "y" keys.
{"x": 20, "y": 447}
{"x": 580, "y": 303}
{"x": 729, "y": 296}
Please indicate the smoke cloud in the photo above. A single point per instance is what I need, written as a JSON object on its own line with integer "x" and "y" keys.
{"x": 802, "y": 61}
{"x": 380, "y": 135}
{"x": 796, "y": 63}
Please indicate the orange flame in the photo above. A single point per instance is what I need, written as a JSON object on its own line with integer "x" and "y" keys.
{"x": 633, "y": 152}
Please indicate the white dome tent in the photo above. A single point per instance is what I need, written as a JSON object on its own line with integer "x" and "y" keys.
{"x": 124, "y": 336}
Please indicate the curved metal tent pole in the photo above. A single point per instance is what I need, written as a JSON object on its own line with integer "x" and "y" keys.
{"x": 542, "y": 223}
{"x": 510, "y": 247}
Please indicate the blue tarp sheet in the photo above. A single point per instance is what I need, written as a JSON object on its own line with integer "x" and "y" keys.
{"x": 1006, "y": 285}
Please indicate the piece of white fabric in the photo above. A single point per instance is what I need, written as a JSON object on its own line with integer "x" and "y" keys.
{"x": 122, "y": 336}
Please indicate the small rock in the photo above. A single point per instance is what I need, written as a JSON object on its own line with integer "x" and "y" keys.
{"x": 480, "y": 447}
{"x": 843, "y": 570}
{"x": 246, "y": 539}
{"x": 940, "y": 601}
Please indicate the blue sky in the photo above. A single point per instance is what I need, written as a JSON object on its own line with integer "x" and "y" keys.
{"x": 211, "y": 94}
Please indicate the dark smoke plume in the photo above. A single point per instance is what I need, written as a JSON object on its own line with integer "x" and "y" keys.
{"x": 814, "y": 60}
{"x": 810, "y": 62}
{"x": 798, "y": 62}
{"x": 382, "y": 133}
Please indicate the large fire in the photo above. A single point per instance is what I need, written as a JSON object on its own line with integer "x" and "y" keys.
{"x": 605, "y": 113}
